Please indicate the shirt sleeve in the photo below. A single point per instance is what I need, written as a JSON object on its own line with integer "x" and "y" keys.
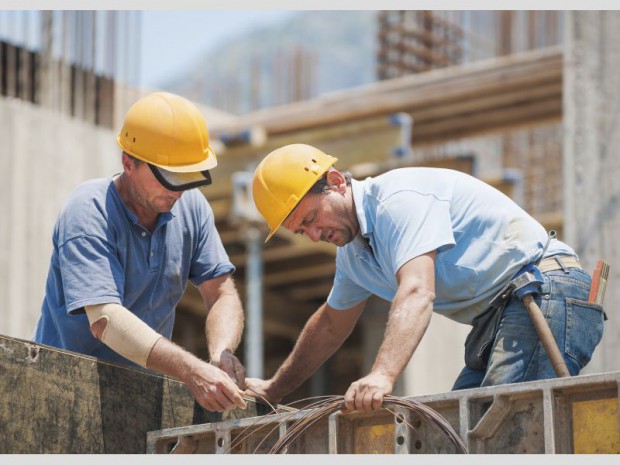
{"x": 410, "y": 224}
{"x": 91, "y": 273}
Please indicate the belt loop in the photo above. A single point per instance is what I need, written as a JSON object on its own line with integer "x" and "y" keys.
{"x": 559, "y": 260}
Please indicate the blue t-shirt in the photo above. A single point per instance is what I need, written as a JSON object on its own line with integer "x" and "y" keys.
{"x": 101, "y": 254}
{"x": 481, "y": 236}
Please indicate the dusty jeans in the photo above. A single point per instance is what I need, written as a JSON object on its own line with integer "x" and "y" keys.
{"x": 518, "y": 354}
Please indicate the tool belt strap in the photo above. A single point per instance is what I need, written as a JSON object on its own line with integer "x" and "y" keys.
{"x": 558, "y": 262}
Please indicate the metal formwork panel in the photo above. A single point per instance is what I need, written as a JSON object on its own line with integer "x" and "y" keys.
{"x": 569, "y": 415}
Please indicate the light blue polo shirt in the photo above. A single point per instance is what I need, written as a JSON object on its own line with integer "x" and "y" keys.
{"x": 481, "y": 236}
{"x": 101, "y": 254}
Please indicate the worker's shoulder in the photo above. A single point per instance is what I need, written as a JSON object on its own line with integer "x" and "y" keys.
{"x": 424, "y": 180}
{"x": 93, "y": 186}
{"x": 88, "y": 194}
{"x": 416, "y": 172}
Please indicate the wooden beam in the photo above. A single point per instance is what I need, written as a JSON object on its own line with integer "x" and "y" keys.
{"x": 271, "y": 327}
{"x": 483, "y": 123}
{"x": 408, "y": 93}
{"x": 288, "y": 251}
{"x": 313, "y": 292}
{"x": 498, "y": 98}
{"x": 351, "y": 142}
{"x": 300, "y": 274}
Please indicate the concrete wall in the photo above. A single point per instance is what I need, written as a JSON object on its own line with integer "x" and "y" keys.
{"x": 44, "y": 156}
{"x": 591, "y": 157}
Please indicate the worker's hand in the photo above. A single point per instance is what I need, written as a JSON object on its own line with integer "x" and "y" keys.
{"x": 231, "y": 365}
{"x": 213, "y": 388}
{"x": 367, "y": 393}
{"x": 262, "y": 390}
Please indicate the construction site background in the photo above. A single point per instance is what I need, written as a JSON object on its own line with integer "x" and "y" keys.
{"x": 547, "y": 137}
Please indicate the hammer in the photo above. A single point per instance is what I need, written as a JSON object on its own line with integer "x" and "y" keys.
{"x": 529, "y": 282}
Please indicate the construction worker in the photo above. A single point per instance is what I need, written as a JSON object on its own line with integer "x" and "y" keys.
{"x": 125, "y": 247}
{"x": 426, "y": 240}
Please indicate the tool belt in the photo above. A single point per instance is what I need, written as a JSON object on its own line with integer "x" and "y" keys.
{"x": 479, "y": 341}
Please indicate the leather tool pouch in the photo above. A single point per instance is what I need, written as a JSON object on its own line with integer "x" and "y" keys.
{"x": 479, "y": 341}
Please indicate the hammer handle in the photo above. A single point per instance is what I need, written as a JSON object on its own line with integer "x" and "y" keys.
{"x": 546, "y": 337}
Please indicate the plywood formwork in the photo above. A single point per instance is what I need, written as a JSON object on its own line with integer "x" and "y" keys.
{"x": 60, "y": 402}
{"x": 560, "y": 416}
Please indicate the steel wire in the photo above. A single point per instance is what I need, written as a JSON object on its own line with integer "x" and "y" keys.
{"x": 252, "y": 429}
{"x": 325, "y": 408}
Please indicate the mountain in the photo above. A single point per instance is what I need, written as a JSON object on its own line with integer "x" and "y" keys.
{"x": 311, "y": 53}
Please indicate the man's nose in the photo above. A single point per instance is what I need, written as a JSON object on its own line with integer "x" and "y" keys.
{"x": 314, "y": 234}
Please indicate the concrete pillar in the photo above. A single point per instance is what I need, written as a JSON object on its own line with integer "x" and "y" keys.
{"x": 591, "y": 157}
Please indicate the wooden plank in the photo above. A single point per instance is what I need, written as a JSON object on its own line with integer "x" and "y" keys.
{"x": 56, "y": 401}
{"x": 454, "y": 128}
{"x": 287, "y": 252}
{"x": 408, "y": 92}
{"x": 498, "y": 98}
{"x": 300, "y": 274}
{"x": 306, "y": 293}
{"x": 352, "y": 142}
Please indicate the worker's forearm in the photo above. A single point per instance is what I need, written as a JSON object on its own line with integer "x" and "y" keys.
{"x": 224, "y": 325}
{"x": 408, "y": 320}
{"x": 172, "y": 360}
{"x": 210, "y": 386}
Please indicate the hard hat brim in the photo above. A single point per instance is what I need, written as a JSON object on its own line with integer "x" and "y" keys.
{"x": 181, "y": 181}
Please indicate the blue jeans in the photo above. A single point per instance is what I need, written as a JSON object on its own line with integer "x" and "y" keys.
{"x": 518, "y": 355}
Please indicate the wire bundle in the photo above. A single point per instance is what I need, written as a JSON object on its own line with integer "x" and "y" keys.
{"x": 324, "y": 408}
{"x": 330, "y": 404}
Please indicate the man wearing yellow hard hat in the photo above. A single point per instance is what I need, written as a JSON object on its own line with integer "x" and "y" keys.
{"x": 125, "y": 247}
{"x": 426, "y": 240}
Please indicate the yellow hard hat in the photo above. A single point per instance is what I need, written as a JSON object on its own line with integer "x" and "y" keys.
{"x": 169, "y": 132}
{"x": 282, "y": 179}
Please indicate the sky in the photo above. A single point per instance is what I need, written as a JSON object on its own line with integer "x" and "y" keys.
{"x": 172, "y": 39}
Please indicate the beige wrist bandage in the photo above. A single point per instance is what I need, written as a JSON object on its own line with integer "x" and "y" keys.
{"x": 124, "y": 333}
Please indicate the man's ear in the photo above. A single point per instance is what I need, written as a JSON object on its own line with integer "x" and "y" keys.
{"x": 336, "y": 180}
{"x": 127, "y": 162}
